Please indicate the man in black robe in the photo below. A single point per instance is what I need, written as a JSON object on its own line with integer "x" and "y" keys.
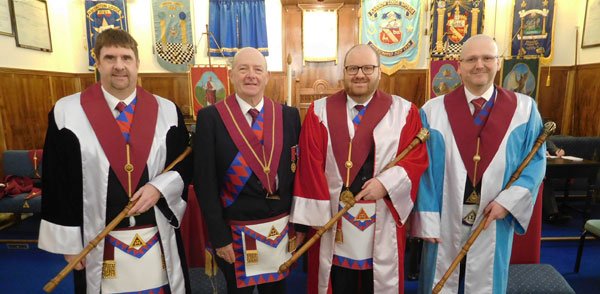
{"x": 105, "y": 147}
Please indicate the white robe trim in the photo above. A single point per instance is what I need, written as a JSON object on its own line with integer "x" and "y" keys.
{"x": 385, "y": 254}
{"x": 95, "y": 168}
{"x": 59, "y": 239}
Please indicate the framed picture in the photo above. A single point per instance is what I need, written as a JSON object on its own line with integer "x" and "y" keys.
{"x": 209, "y": 85}
{"x": 521, "y": 75}
{"x": 5, "y": 19}
{"x": 591, "y": 24}
{"x": 31, "y": 25}
{"x": 443, "y": 77}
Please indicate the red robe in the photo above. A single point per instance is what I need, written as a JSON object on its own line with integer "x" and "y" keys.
{"x": 389, "y": 125}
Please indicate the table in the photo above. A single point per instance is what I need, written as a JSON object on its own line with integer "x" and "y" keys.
{"x": 559, "y": 168}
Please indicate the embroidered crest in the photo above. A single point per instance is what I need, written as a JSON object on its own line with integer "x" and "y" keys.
{"x": 362, "y": 216}
{"x": 273, "y": 233}
{"x": 469, "y": 220}
{"x": 137, "y": 242}
{"x": 473, "y": 198}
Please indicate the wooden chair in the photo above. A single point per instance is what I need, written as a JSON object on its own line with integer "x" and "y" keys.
{"x": 305, "y": 96}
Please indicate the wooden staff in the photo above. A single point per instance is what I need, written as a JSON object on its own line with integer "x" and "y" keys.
{"x": 419, "y": 138}
{"x": 549, "y": 128}
{"x": 69, "y": 267}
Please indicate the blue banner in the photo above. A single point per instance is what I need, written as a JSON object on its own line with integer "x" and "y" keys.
{"x": 101, "y": 15}
{"x": 532, "y": 29}
{"x": 173, "y": 39}
{"x": 393, "y": 28}
{"x": 452, "y": 23}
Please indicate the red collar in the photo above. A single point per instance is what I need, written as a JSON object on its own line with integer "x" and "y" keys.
{"x": 337, "y": 120}
{"x": 112, "y": 140}
{"x": 271, "y": 110}
{"x": 465, "y": 131}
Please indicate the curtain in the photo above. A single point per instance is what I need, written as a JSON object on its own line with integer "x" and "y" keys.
{"x": 236, "y": 24}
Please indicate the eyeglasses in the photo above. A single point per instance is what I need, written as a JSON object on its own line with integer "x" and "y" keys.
{"x": 485, "y": 59}
{"x": 366, "y": 69}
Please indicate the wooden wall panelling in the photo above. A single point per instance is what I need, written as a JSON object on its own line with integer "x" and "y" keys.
{"x": 276, "y": 87}
{"x": 553, "y": 99}
{"x": 172, "y": 86}
{"x": 587, "y": 101}
{"x": 27, "y": 107}
{"x": 86, "y": 80}
{"x": 410, "y": 84}
{"x": 305, "y": 75}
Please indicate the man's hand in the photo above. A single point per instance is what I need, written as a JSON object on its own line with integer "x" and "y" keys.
{"x": 373, "y": 189}
{"x": 300, "y": 236}
{"x": 560, "y": 153}
{"x": 495, "y": 211}
{"x": 432, "y": 240}
{"x": 226, "y": 253}
{"x": 79, "y": 266}
{"x": 148, "y": 196}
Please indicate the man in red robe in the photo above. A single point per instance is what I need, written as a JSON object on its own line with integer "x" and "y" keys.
{"x": 345, "y": 142}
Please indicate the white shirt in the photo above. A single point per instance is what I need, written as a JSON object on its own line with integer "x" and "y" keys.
{"x": 113, "y": 101}
{"x": 245, "y": 106}
{"x": 350, "y": 103}
{"x": 487, "y": 95}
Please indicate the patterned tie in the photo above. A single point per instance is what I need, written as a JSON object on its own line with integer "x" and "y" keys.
{"x": 125, "y": 117}
{"x": 121, "y": 106}
{"x": 359, "y": 116}
{"x": 478, "y": 104}
{"x": 254, "y": 114}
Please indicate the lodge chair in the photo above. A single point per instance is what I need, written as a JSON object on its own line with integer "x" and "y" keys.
{"x": 591, "y": 226}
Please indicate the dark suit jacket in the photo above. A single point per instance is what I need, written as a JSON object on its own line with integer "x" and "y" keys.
{"x": 214, "y": 151}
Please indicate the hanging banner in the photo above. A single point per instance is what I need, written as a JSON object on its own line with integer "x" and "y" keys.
{"x": 452, "y": 23}
{"x": 533, "y": 29}
{"x": 393, "y": 28}
{"x": 209, "y": 85}
{"x": 101, "y": 15}
{"x": 521, "y": 76}
{"x": 443, "y": 77}
{"x": 173, "y": 39}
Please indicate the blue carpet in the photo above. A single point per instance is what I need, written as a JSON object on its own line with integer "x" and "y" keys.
{"x": 28, "y": 270}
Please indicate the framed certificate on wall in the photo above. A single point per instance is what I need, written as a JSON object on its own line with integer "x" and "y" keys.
{"x": 591, "y": 24}
{"x": 31, "y": 25}
{"x": 5, "y": 19}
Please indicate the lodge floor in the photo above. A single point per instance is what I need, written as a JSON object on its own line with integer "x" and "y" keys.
{"x": 26, "y": 269}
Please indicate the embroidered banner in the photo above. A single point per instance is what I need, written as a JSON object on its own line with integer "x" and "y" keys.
{"x": 452, "y": 23}
{"x": 101, "y": 15}
{"x": 173, "y": 40}
{"x": 533, "y": 29}
{"x": 209, "y": 86}
{"x": 443, "y": 77}
{"x": 393, "y": 28}
{"x": 521, "y": 76}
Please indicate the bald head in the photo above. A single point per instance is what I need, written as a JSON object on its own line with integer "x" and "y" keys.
{"x": 478, "y": 63}
{"x": 249, "y": 53}
{"x": 478, "y": 40}
{"x": 249, "y": 75}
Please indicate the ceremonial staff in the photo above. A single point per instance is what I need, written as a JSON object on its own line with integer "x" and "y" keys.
{"x": 69, "y": 267}
{"x": 419, "y": 138}
{"x": 549, "y": 128}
